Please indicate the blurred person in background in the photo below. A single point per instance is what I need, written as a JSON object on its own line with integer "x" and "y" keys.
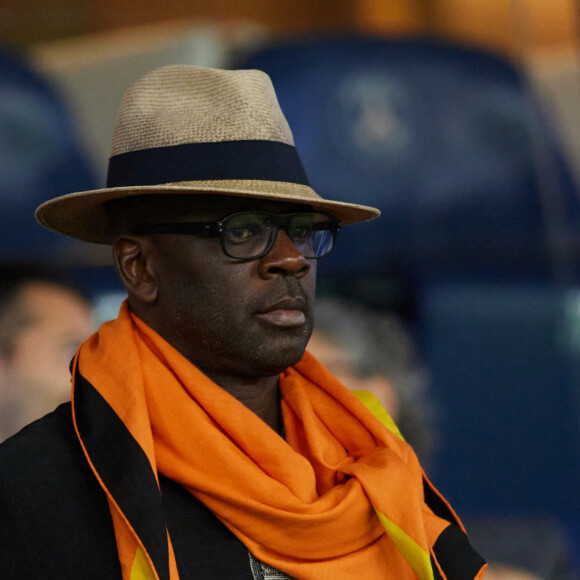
{"x": 43, "y": 320}
{"x": 503, "y": 572}
{"x": 533, "y": 547}
{"x": 374, "y": 351}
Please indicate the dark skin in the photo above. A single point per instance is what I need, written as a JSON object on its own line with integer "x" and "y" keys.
{"x": 241, "y": 322}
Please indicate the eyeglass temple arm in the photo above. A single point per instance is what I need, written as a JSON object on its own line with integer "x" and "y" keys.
{"x": 176, "y": 228}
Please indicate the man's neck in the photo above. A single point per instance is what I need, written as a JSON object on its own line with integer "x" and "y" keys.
{"x": 260, "y": 395}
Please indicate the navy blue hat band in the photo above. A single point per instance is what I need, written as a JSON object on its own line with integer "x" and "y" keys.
{"x": 225, "y": 160}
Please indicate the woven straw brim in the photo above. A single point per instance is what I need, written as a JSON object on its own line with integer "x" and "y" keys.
{"x": 83, "y": 215}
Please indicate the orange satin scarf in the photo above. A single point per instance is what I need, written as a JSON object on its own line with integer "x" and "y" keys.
{"x": 341, "y": 497}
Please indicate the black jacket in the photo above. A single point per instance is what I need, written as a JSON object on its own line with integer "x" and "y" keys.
{"x": 55, "y": 520}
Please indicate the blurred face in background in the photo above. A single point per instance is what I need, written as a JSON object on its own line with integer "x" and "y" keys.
{"x": 47, "y": 324}
{"x": 336, "y": 360}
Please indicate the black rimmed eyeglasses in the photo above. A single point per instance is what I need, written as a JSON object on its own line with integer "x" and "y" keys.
{"x": 251, "y": 234}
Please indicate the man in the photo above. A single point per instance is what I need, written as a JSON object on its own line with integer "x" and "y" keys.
{"x": 43, "y": 319}
{"x": 204, "y": 442}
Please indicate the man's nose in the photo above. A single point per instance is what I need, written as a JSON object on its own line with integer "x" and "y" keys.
{"x": 284, "y": 258}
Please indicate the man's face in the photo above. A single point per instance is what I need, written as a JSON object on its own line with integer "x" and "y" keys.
{"x": 232, "y": 317}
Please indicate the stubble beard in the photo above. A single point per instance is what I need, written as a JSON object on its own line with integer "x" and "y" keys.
{"x": 258, "y": 350}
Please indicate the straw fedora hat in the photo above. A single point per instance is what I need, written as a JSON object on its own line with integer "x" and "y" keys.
{"x": 193, "y": 130}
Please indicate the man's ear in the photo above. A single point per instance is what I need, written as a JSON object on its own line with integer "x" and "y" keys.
{"x": 133, "y": 260}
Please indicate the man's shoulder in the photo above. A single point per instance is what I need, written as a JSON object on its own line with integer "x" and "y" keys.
{"x": 43, "y": 458}
{"x": 45, "y": 440}
{"x": 55, "y": 517}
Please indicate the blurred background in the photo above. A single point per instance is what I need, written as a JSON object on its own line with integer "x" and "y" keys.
{"x": 459, "y": 119}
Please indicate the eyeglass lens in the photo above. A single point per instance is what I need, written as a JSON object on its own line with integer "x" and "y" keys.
{"x": 249, "y": 235}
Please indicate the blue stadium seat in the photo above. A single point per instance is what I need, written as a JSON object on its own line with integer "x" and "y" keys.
{"x": 40, "y": 157}
{"x": 446, "y": 140}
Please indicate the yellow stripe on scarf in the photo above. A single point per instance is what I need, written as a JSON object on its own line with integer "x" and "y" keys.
{"x": 371, "y": 402}
{"x": 417, "y": 558}
{"x": 141, "y": 569}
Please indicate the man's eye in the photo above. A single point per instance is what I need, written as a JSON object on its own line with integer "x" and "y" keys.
{"x": 242, "y": 234}
{"x": 301, "y": 232}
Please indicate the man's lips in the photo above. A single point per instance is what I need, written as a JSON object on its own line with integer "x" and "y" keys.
{"x": 288, "y": 313}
